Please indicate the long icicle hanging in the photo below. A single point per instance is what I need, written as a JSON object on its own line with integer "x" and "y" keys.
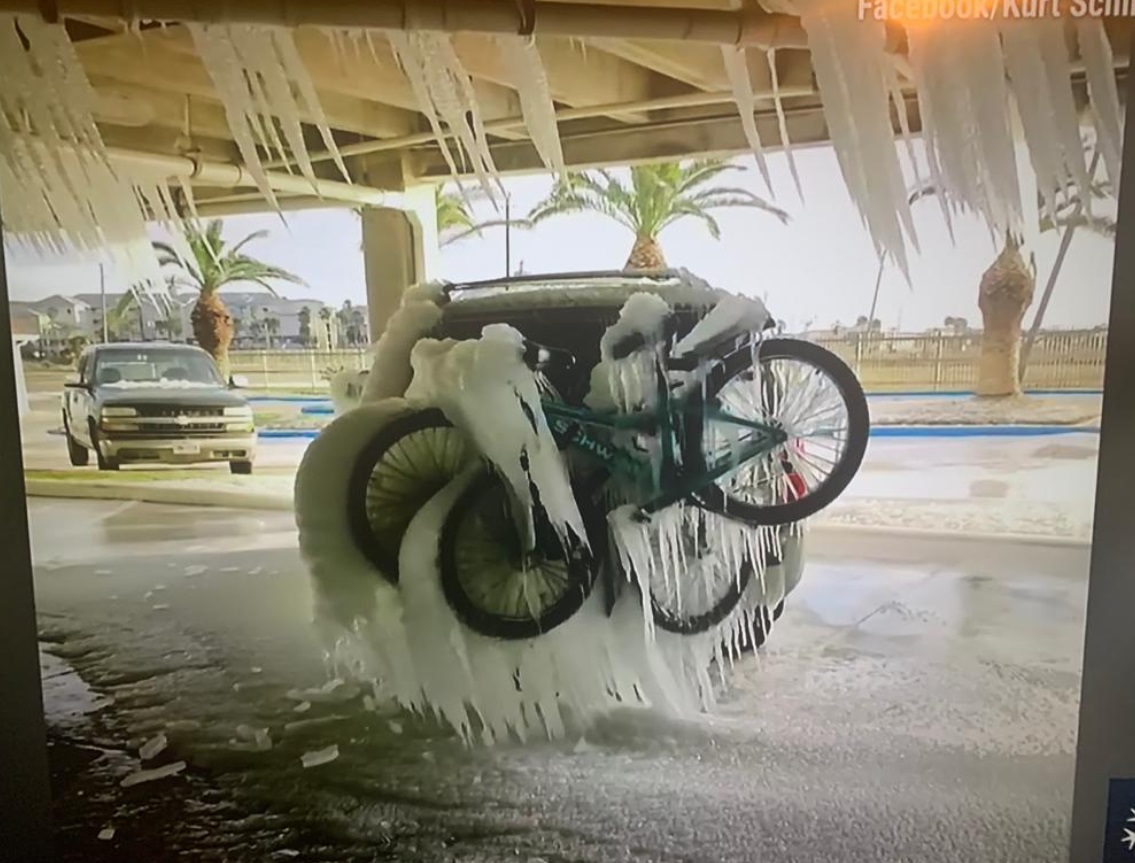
{"x": 267, "y": 94}
{"x": 61, "y": 192}
{"x": 848, "y": 57}
{"x": 526, "y": 73}
{"x": 1095, "y": 51}
{"x": 445, "y": 93}
{"x": 782, "y": 121}
{"x": 737, "y": 71}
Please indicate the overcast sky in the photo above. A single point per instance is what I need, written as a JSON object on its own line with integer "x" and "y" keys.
{"x": 820, "y": 268}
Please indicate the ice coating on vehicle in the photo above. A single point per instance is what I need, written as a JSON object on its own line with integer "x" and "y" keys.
{"x": 700, "y": 584}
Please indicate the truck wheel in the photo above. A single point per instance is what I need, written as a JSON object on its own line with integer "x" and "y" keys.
{"x": 102, "y": 462}
{"x": 240, "y": 468}
{"x": 79, "y": 455}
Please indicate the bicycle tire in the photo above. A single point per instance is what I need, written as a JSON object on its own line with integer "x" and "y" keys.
{"x": 580, "y": 572}
{"x": 695, "y": 624}
{"x": 716, "y": 499}
{"x": 381, "y": 548}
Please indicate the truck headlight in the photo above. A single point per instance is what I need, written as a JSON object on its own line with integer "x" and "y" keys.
{"x": 244, "y": 412}
{"x": 112, "y": 412}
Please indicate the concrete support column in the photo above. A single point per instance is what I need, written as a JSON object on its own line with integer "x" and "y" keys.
{"x": 1105, "y": 749}
{"x": 400, "y": 249}
{"x": 24, "y": 791}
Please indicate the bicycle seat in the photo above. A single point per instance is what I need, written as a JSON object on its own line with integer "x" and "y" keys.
{"x": 542, "y": 358}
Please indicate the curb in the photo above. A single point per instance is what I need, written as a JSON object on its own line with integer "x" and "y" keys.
{"x": 953, "y": 535}
{"x": 234, "y": 499}
{"x": 980, "y": 430}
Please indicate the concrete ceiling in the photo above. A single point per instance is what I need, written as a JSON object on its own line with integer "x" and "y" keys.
{"x": 621, "y": 99}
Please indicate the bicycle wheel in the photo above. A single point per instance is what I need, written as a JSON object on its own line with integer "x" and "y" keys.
{"x": 812, "y": 395}
{"x": 703, "y": 594}
{"x": 495, "y": 588}
{"x": 405, "y": 464}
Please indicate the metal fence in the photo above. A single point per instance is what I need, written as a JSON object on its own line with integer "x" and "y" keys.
{"x": 884, "y": 363}
{"x": 295, "y": 371}
{"x": 1068, "y": 360}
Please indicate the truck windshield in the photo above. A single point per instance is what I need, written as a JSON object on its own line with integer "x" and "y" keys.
{"x": 124, "y": 367}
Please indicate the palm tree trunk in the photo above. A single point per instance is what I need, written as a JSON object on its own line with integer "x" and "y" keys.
{"x": 1005, "y": 293}
{"x": 213, "y": 328}
{"x": 646, "y": 255}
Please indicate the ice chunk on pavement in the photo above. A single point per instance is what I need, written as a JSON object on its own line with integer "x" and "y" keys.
{"x": 196, "y": 569}
{"x": 103, "y": 572}
{"x": 395, "y": 726}
{"x": 259, "y": 737}
{"x": 162, "y": 772}
{"x": 161, "y": 607}
{"x": 106, "y": 834}
{"x": 183, "y": 725}
{"x": 320, "y": 756}
{"x": 302, "y": 707}
{"x": 153, "y": 747}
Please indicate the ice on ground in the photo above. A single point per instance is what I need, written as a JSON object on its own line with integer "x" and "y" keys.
{"x": 153, "y": 747}
{"x": 106, "y": 834}
{"x": 318, "y": 757}
{"x": 196, "y": 569}
{"x": 156, "y": 773}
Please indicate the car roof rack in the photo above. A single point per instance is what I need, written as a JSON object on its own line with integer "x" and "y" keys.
{"x": 574, "y": 276}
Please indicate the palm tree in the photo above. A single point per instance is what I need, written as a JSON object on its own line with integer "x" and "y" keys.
{"x": 658, "y": 196}
{"x": 271, "y": 329}
{"x": 213, "y": 263}
{"x": 1007, "y": 288}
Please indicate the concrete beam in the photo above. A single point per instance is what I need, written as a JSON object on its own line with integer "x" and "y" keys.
{"x": 681, "y": 137}
{"x": 155, "y": 63}
{"x": 691, "y": 63}
{"x": 130, "y": 106}
{"x": 576, "y": 77}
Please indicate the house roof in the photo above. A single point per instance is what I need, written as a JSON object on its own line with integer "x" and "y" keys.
{"x": 26, "y": 322}
{"x": 59, "y": 299}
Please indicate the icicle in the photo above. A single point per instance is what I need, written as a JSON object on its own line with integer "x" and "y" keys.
{"x": 848, "y": 57}
{"x": 526, "y": 73}
{"x": 782, "y": 122}
{"x": 412, "y": 64}
{"x": 1095, "y": 51}
{"x": 218, "y": 52}
{"x": 737, "y": 70}
{"x": 297, "y": 74}
{"x": 60, "y": 192}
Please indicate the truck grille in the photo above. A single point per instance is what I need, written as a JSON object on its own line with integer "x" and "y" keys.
{"x": 188, "y": 430}
{"x": 174, "y": 411}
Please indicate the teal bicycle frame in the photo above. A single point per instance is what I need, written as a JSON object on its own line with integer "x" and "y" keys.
{"x": 572, "y": 427}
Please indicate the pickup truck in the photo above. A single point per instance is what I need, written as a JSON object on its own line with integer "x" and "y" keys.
{"x": 154, "y": 402}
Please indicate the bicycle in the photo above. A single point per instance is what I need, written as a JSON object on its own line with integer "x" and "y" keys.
{"x": 726, "y": 446}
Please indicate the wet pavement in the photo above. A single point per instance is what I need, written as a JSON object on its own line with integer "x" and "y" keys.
{"x": 917, "y": 702}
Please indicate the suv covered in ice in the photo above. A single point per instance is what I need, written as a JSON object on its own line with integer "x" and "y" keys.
{"x": 155, "y": 403}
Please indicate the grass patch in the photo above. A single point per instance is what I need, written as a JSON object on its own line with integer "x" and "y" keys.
{"x": 143, "y": 476}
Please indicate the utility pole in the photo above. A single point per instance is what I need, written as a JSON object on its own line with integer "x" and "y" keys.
{"x": 102, "y": 297}
{"x": 507, "y": 235}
